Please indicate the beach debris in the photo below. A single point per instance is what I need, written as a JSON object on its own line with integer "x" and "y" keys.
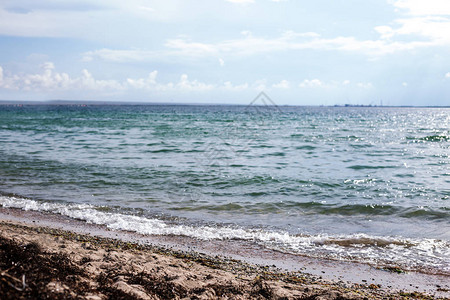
{"x": 394, "y": 269}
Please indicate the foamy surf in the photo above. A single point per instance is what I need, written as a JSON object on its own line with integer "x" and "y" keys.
{"x": 415, "y": 254}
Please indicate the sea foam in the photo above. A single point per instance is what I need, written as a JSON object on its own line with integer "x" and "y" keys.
{"x": 409, "y": 253}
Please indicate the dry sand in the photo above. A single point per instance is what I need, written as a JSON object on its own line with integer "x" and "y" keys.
{"x": 40, "y": 262}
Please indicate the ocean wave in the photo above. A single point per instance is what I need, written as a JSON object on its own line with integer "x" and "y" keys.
{"x": 315, "y": 208}
{"x": 379, "y": 250}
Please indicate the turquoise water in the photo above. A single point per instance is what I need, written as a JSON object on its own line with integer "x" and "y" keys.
{"x": 366, "y": 184}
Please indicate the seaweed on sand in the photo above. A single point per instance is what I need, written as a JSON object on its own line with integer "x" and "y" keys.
{"x": 26, "y": 272}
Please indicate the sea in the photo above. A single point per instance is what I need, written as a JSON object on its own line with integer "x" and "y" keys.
{"x": 365, "y": 184}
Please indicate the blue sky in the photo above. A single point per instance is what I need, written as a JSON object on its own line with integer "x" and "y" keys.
{"x": 320, "y": 52}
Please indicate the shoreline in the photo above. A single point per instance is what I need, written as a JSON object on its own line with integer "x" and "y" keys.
{"x": 239, "y": 276}
{"x": 260, "y": 247}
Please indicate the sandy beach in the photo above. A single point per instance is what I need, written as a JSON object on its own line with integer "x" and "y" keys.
{"x": 228, "y": 149}
{"x": 44, "y": 262}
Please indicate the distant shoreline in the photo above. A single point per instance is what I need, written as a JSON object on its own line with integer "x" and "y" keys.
{"x": 135, "y": 103}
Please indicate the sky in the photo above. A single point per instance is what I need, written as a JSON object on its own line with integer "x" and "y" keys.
{"x": 299, "y": 52}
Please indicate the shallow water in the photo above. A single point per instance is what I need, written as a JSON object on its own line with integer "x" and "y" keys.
{"x": 366, "y": 184}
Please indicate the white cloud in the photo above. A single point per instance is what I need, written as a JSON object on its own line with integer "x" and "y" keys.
{"x": 189, "y": 48}
{"x": 50, "y": 80}
{"x": 429, "y": 19}
{"x": 184, "y": 84}
{"x": 365, "y": 85}
{"x": 7, "y": 82}
{"x": 333, "y": 84}
{"x": 447, "y": 75}
{"x": 311, "y": 83}
{"x": 86, "y": 19}
{"x": 87, "y": 81}
{"x": 424, "y": 8}
{"x": 120, "y": 55}
{"x": 143, "y": 83}
{"x": 435, "y": 28}
{"x": 221, "y": 62}
{"x": 48, "y": 65}
{"x": 90, "y": 19}
{"x": 283, "y": 84}
{"x": 195, "y": 85}
{"x": 47, "y": 80}
{"x": 249, "y": 45}
{"x": 405, "y": 84}
{"x": 385, "y": 32}
{"x": 230, "y": 87}
{"x": 29, "y": 24}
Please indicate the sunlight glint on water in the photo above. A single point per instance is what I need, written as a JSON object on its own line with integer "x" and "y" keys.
{"x": 349, "y": 183}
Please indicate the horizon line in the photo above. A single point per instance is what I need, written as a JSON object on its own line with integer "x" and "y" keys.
{"x": 118, "y": 103}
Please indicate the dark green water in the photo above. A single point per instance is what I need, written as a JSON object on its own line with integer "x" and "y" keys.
{"x": 370, "y": 184}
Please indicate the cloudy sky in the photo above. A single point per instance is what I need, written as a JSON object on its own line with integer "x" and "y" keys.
{"x": 303, "y": 52}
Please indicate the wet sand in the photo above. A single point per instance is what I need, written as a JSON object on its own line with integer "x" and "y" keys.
{"x": 69, "y": 259}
